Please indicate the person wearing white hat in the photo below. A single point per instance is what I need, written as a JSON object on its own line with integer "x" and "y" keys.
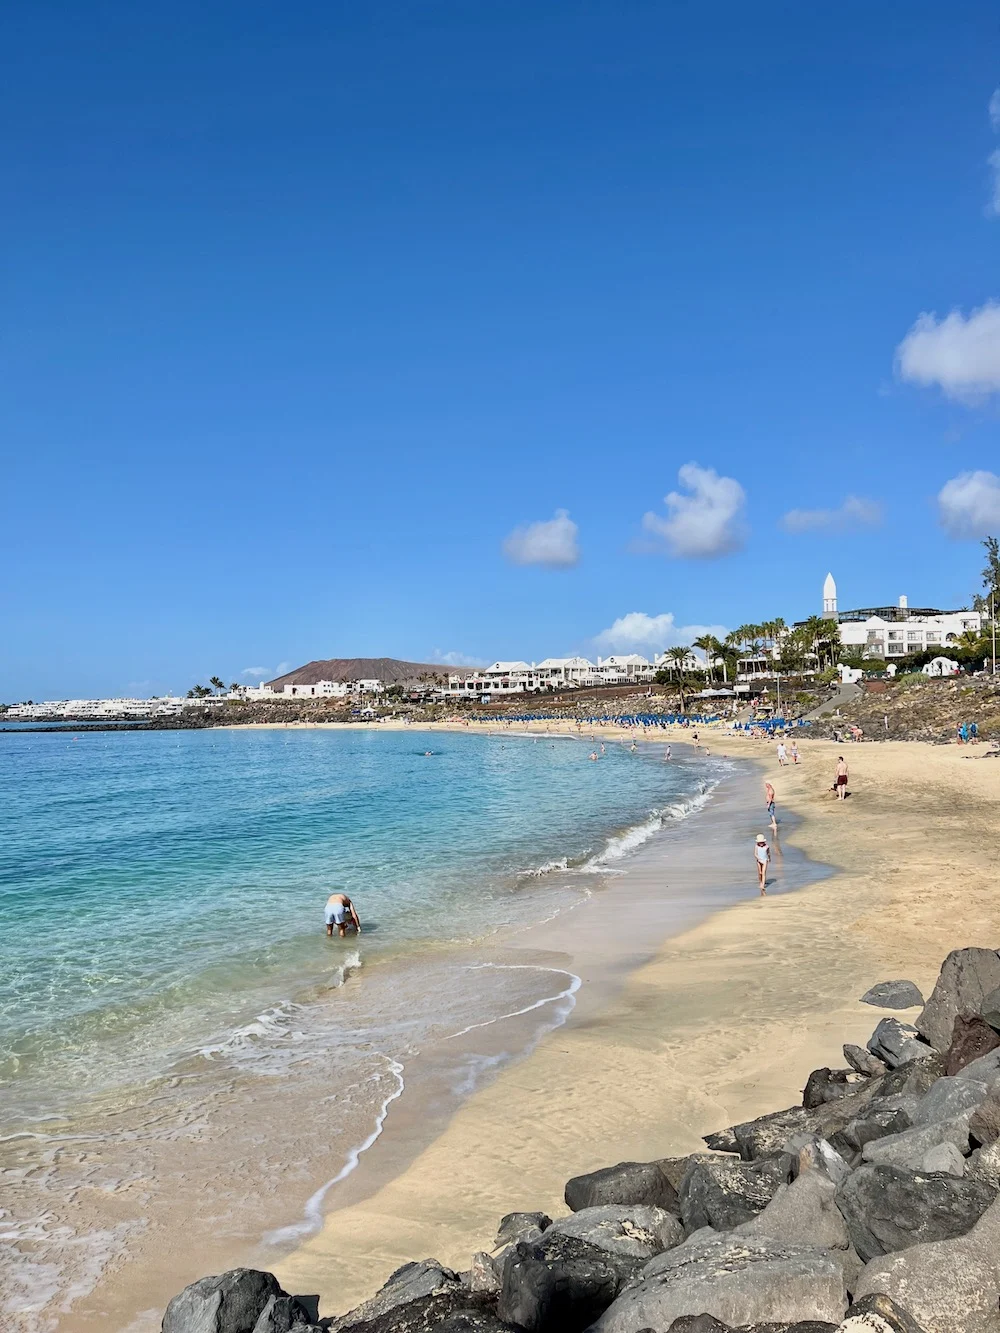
{"x": 762, "y": 855}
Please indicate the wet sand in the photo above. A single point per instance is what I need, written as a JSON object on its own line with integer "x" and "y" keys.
{"x": 724, "y": 1023}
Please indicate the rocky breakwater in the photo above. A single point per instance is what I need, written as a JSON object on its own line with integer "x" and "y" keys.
{"x": 872, "y": 1207}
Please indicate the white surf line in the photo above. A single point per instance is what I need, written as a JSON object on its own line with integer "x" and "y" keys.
{"x": 313, "y": 1211}
{"x": 568, "y": 994}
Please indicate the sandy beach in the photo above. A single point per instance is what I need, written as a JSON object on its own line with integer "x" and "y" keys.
{"x": 723, "y": 1024}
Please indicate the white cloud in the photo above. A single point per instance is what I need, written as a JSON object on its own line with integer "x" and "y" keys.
{"x": 969, "y": 504}
{"x": 855, "y": 512}
{"x": 457, "y": 659}
{"x": 961, "y": 355}
{"x": 639, "y": 630}
{"x": 552, "y": 543}
{"x": 706, "y": 523}
{"x": 258, "y": 673}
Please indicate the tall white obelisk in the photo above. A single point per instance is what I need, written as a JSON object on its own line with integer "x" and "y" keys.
{"x": 829, "y": 599}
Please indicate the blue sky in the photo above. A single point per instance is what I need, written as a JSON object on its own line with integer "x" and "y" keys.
{"x": 311, "y": 311}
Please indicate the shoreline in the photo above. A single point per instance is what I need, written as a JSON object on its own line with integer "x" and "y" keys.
{"x": 156, "y": 1265}
{"x": 580, "y": 942}
{"x": 724, "y": 1023}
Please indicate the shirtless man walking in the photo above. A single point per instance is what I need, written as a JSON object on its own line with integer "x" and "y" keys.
{"x": 769, "y": 803}
{"x": 340, "y": 912}
{"x": 841, "y": 783}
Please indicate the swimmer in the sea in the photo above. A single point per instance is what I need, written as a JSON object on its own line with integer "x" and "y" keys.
{"x": 341, "y": 912}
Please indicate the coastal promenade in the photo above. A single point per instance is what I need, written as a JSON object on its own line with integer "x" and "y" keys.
{"x": 724, "y": 1024}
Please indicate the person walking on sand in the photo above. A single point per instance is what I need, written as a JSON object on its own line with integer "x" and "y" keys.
{"x": 782, "y": 755}
{"x": 841, "y": 782}
{"x": 794, "y": 753}
{"x": 762, "y": 856}
{"x": 769, "y": 802}
{"x": 341, "y": 912}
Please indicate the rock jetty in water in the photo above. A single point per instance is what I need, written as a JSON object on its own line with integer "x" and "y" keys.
{"x": 872, "y": 1207}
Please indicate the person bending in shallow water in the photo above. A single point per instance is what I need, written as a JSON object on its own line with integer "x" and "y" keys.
{"x": 340, "y": 912}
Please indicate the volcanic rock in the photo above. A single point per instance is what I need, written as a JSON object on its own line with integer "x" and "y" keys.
{"x": 626, "y": 1183}
{"x": 971, "y": 1037}
{"x": 878, "y": 1314}
{"x": 908, "y": 1149}
{"x": 739, "y": 1280}
{"x": 560, "y": 1282}
{"x": 984, "y": 1123}
{"x": 231, "y": 1302}
{"x": 967, "y": 977}
{"x": 804, "y": 1213}
{"x": 889, "y": 1208}
{"x": 863, "y": 1061}
{"x": 896, "y": 1043}
{"x": 521, "y": 1226}
{"x": 893, "y": 995}
{"x": 827, "y": 1085}
{"x": 407, "y": 1287}
{"x": 726, "y": 1192}
{"x": 636, "y": 1231}
{"x": 948, "y": 1286}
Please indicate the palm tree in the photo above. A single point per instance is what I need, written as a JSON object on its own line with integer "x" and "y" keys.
{"x": 217, "y": 682}
{"x": 819, "y": 633}
{"x": 712, "y": 648}
{"x": 678, "y": 656}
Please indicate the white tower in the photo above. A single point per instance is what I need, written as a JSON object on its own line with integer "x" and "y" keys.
{"x": 829, "y": 598}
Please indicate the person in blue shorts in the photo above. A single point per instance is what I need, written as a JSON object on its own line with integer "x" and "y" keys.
{"x": 769, "y": 802}
{"x": 340, "y": 912}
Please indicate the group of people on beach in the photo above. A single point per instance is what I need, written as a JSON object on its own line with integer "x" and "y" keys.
{"x": 787, "y": 755}
{"x": 341, "y": 915}
{"x": 761, "y": 850}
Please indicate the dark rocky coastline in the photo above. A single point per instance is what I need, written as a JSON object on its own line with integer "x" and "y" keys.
{"x": 871, "y": 1207}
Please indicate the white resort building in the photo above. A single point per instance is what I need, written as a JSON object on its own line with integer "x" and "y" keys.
{"x": 894, "y": 631}
{"x": 96, "y": 710}
{"x": 625, "y": 669}
{"x": 320, "y": 689}
{"x": 554, "y": 673}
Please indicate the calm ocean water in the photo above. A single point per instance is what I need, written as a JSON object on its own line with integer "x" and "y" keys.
{"x": 173, "y": 1016}
{"x": 156, "y": 887}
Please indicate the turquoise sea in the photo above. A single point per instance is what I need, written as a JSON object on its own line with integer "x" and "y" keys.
{"x": 161, "y": 900}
